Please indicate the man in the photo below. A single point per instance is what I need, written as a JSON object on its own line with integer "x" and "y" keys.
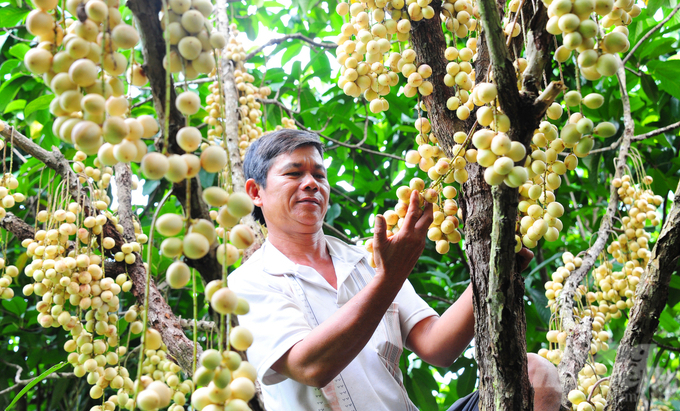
{"x": 329, "y": 329}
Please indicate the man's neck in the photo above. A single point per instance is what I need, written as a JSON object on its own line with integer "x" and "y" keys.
{"x": 301, "y": 248}
{"x": 306, "y": 249}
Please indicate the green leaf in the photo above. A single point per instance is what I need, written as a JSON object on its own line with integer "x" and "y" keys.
{"x": 34, "y": 382}
{"x": 16, "y": 305}
{"x": 19, "y": 50}
{"x": 422, "y": 386}
{"x": 11, "y": 16}
{"x": 15, "y": 105}
{"x": 10, "y": 88}
{"x": 649, "y": 86}
{"x": 467, "y": 381}
{"x": 39, "y": 103}
{"x": 668, "y": 73}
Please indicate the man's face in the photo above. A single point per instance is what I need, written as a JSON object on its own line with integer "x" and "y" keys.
{"x": 296, "y": 197}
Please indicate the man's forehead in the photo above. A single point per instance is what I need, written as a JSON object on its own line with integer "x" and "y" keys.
{"x": 300, "y": 157}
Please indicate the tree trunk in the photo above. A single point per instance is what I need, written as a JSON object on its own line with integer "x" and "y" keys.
{"x": 631, "y": 360}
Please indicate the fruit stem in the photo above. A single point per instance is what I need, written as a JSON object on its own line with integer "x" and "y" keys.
{"x": 166, "y": 37}
{"x": 145, "y": 313}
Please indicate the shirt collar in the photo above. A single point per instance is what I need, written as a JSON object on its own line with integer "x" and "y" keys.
{"x": 345, "y": 259}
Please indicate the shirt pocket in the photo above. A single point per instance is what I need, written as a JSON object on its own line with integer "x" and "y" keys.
{"x": 390, "y": 347}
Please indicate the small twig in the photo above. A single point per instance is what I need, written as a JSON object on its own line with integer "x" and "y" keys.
{"x": 296, "y": 36}
{"x": 592, "y": 391}
{"x": 18, "y": 382}
{"x": 435, "y": 297}
{"x": 650, "y": 32}
{"x": 656, "y": 132}
{"x": 666, "y": 346}
{"x": 280, "y": 104}
{"x": 141, "y": 103}
{"x": 639, "y": 137}
{"x": 21, "y": 26}
{"x": 637, "y": 73}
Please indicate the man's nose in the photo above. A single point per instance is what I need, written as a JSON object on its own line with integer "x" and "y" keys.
{"x": 309, "y": 182}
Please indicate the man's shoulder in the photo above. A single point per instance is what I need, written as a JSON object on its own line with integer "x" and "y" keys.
{"x": 251, "y": 267}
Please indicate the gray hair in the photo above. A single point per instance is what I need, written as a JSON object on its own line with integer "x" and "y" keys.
{"x": 262, "y": 152}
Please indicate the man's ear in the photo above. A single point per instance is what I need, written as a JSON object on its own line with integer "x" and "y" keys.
{"x": 253, "y": 190}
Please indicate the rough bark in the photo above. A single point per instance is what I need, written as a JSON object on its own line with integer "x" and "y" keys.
{"x": 231, "y": 135}
{"x": 161, "y": 316}
{"x": 652, "y": 292}
{"x": 149, "y": 27}
{"x": 17, "y": 226}
{"x": 498, "y": 289}
{"x": 574, "y": 357}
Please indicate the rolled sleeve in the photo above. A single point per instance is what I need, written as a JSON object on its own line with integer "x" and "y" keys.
{"x": 412, "y": 309}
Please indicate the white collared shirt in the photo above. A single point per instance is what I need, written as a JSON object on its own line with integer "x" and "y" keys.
{"x": 288, "y": 300}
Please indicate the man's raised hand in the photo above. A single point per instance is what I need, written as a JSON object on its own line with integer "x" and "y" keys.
{"x": 397, "y": 255}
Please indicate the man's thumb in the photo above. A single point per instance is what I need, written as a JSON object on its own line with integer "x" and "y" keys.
{"x": 379, "y": 235}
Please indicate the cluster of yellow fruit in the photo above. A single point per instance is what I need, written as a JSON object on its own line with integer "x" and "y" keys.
{"x": 572, "y": 19}
{"x": 191, "y": 37}
{"x": 8, "y": 274}
{"x": 459, "y": 17}
{"x": 631, "y": 248}
{"x": 461, "y": 75}
{"x": 250, "y": 109}
{"x": 89, "y": 63}
{"x": 177, "y": 168}
{"x": 588, "y": 379}
{"x": 8, "y": 199}
{"x": 362, "y": 58}
{"x": 226, "y": 382}
{"x": 161, "y": 380}
{"x": 614, "y": 291}
{"x": 540, "y": 212}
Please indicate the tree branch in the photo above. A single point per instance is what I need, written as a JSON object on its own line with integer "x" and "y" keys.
{"x": 574, "y": 357}
{"x": 296, "y": 36}
{"x": 18, "y": 382}
{"x": 649, "y": 33}
{"x": 503, "y": 70}
{"x": 666, "y": 346}
{"x": 656, "y": 132}
{"x": 231, "y": 134}
{"x": 651, "y": 295}
{"x": 161, "y": 316}
{"x": 188, "y": 324}
{"x": 17, "y": 226}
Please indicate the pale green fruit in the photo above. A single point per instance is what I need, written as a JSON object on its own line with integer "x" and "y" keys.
{"x": 605, "y": 129}
{"x": 178, "y": 275}
{"x": 169, "y": 224}
{"x": 195, "y": 246}
{"x": 572, "y": 98}
{"x": 593, "y": 100}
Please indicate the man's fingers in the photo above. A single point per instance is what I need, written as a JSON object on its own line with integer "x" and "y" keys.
{"x": 413, "y": 213}
{"x": 379, "y": 235}
{"x": 524, "y": 257}
{"x": 426, "y": 218}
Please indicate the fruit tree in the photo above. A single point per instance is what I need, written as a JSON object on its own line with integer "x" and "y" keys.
{"x": 545, "y": 124}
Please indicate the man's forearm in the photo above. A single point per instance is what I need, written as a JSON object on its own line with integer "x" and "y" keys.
{"x": 440, "y": 340}
{"x": 331, "y": 346}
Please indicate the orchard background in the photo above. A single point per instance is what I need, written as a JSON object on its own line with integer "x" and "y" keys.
{"x": 290, "y": 48}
